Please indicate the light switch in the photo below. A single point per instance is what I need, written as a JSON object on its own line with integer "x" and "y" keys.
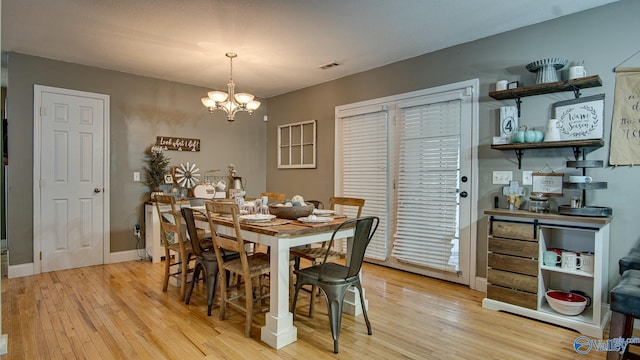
{"x": 136, "y": 176}
{"x": 502, "y": 177}
{"x": 527, "y": 177}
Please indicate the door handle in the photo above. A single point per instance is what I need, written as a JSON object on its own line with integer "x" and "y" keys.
{"x": 464, "y": 194}
{"x": 97, "y": 190}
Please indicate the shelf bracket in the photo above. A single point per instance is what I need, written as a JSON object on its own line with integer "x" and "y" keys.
{"x": 519, "y": 153}
{"x": 576, "y": 152}
{"x": 576, "y": 91}
{"x": 518, "y": 101}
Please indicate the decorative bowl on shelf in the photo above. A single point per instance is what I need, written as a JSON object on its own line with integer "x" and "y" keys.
{"x": 566, "y": 303}
{"x": 291, "y": 212}
{"x": 547, "y": 69}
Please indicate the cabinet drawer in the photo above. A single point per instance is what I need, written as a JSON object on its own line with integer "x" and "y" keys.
{"x": 528, "y": 249}
{"x": 515, "y": 231}
{"x": 512, "y": 280}
{"x": 513, "y": 264}
{"x": 515, "y": 297}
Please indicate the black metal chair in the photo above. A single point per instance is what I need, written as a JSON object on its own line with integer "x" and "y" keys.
{"x": 334, "y": 279}
{"x": 205, "y": 260}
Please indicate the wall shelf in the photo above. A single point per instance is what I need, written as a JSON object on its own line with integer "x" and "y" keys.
{"x": 547, "y": 88}
{"x": 579, "y": 146}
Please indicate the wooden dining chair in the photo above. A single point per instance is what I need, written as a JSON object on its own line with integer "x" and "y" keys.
{"x": 335, "y": 279}
{"x": 248, "y": 268}
{"x": 274, "y": 196}
{"x": 318, "y": 254}
{"x": 172, "y": 237}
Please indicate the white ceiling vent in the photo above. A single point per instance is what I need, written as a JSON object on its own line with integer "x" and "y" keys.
{"x": 330, "y": 65}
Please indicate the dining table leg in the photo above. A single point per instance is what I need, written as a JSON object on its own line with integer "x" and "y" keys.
{"x": 279, "y": 330}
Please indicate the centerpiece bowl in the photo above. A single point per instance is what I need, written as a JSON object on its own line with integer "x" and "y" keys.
{"x": 291, "y": 212}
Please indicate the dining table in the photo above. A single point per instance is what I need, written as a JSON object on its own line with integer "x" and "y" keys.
{"x": 280, "y": 235}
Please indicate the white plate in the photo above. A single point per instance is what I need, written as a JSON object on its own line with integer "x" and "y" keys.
{"x": 322, "y": 212}
{"x": 318, "y": 219}
{"x": 257, "y": 217}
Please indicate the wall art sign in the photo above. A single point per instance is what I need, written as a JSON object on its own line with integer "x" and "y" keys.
{"x": 176, "y": 143}
{"x": 549, "y": 184}
{"x": 625, "y": 125}
{"x": 581, "y": 119}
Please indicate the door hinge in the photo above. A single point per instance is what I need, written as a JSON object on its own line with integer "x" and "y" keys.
{"x": 40, "y": 255}
{"x": 41, "y": 111}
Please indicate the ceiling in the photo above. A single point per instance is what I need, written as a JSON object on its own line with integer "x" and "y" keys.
{"x": 281, "y": 44}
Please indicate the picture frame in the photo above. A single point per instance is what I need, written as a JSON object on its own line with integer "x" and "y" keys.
{"x": 549, "y": 184}
{"x": 581, "y": 118}
{"x": 168, "y": 179}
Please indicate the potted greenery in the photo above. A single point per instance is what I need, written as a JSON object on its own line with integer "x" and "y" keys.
{"x": 157, "y": 165}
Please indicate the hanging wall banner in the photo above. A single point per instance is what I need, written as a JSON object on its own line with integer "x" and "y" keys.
{"x": 625, "y": 126}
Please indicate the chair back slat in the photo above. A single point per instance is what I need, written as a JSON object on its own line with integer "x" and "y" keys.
{"x": 231, "y": 243}
{"x": 347, "y": 201}
{"x": 166, "y": 225}
{"x": 274, "y": 196}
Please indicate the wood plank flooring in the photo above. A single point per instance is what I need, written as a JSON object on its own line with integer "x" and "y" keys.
{"x": 119, "y": 311}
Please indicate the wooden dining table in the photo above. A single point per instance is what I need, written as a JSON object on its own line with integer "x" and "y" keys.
{"x": 281, "y": 235}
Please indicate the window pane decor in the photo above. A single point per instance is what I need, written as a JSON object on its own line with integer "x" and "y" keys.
{"x": 297, "y": 145}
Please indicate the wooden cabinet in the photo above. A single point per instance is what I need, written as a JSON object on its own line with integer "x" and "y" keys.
{"x": 512, "y": 259}
{"x": 518, "y": 279}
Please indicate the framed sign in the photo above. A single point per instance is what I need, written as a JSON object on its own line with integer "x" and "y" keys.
{"x": 176, "y": 143}
{"x": 549, "y": 184}
{"x": 581, "y": 119}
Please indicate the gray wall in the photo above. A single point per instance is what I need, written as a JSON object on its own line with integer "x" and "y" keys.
{"x": 602, "y": 37}
{"x": 141, "y": 109}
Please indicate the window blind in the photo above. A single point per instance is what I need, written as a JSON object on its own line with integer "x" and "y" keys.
{"x": 364, "y": 171}
{"x": 428, "y": 175}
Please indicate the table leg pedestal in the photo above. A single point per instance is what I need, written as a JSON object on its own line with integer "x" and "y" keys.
{"x": 278, "y": 332}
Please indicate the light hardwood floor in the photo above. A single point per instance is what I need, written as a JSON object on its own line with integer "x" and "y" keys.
{"x": 118, "y": 311}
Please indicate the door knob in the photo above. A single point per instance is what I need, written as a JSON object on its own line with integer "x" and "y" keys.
{"x": 97, "y": 190}
{"x": 464, "y": 194}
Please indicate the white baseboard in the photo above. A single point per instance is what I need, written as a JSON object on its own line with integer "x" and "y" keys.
{"x": 20, "y": 270}
{"x": 122, "y": 256}
{"x": 481, "y": 284}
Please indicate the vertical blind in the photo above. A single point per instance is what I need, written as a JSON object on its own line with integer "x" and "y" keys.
{"x": 428, "y": 175}
{"x": 364, "y": 172}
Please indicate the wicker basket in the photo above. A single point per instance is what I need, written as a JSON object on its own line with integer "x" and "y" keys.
{"x": 291, "y": 212}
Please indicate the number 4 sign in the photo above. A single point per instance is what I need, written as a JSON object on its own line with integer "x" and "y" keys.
{"x": 508, "y": 120}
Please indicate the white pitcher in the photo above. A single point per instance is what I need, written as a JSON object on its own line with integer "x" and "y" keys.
{"x": 553, "y": 130}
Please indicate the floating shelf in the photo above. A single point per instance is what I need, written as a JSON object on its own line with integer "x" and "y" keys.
{"x": 547, "y": 88}
{"x": 577, "y": 145}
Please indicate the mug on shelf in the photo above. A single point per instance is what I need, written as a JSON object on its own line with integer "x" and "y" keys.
{"x": 580, "y": 179}
{"x": 571, "y": 261}
{"x": 551, "y": 258}
{"x": 587, "y": 259}
{"x": 577, "y": 71}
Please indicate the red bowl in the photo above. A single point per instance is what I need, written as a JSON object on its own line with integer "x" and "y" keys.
{"x": 566, "y": 296}
{"x": 565, "y": 302}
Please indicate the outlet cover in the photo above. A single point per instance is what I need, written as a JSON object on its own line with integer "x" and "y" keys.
{"x": 527, "y": 177}
{"x": 502, "y": 177}
{"x": 136, "y": 176}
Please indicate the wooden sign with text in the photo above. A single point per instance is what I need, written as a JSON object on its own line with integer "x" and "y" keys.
{"x": 176, "y": 143}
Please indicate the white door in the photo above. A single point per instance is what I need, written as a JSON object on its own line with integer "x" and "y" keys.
{"x": 412, "y": 157}
{"x": 70, "y": 204}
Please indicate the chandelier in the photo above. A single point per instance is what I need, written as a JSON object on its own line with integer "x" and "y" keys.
{"x": 230, "y": 101}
